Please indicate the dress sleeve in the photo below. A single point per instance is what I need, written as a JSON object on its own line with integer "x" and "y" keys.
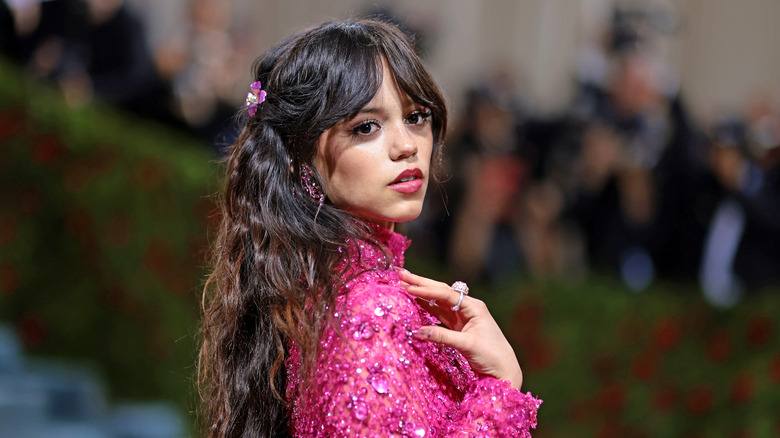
{"x": 373, "y": 378}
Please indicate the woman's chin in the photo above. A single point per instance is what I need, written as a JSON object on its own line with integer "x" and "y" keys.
{"x": 388, "y": 222}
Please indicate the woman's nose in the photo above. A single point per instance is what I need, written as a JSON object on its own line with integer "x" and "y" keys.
{"x": 403, "y": 145}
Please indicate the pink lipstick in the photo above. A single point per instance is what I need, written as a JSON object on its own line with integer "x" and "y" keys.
{"x": 408, "y": 181}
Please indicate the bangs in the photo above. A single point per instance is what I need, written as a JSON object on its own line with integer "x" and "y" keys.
{"x": 321, "y": 76}
{"x": 354, "y": 75}
{"x": 356, "y": 72}
{"x": 412, "y": 77}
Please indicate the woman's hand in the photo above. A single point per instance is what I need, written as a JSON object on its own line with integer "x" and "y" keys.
{"x": 471, "y": 329}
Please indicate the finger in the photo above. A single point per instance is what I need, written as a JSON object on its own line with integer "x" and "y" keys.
{"x": 430, "y": 306}
{"x": 441, "y": 335}
{"x": 419, "y": 280}
{"x": 442, "y": 294}
{"x": 442, "y": 313}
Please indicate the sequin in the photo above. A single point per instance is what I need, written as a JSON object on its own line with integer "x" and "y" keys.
{"x": 379, "y": 383}
{"x": 373, "y": 378}
{"x": 364, "y": 331}
{"x": 360, "y": 411}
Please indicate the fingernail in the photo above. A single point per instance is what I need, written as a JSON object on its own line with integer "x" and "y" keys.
{"x": 422, "y": 334}
{"x": 400, "y": 269}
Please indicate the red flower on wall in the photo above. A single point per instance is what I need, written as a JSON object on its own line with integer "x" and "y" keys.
{"x": 76, "y": 175}
{"x": 80, "y": 223}
{"x": 665, "y": 398}
{"x": 207, "y": 213}
{"x": 9, "y": 278}
{"x": 158, "y": 257}
{"x": 119, "y": 229}
{"x": 541, "y": 353}
{"x": 198, "y": 250}
{"x": 604, "y": 365}
{"x": 529, "y": 315}
{"x": 719, "y": 346}
{"x": 29, "y": 199}
{"x": 645, "y": 364}
{"x": 31, "y": 329}
{"x": 47, "y": 149}
{"x": 700, "y": 400}
{"x": 117, "y": 297}
{"x": 11, "y": 123}
{"x": 580, "y": 411}
{"x": 759, "y": 330}
{"x": 536, "y": 350}
{"x": 774, "y": 369}
{"x": 612, "y": 397}
{"x": 742, "y": 388}
{"x": 667, "y": 333}
{"x": 631, "y": 329}
{"x": 149, "y": 174}
{"x": 610, "y": 429}
{"x": 7, "y": 229}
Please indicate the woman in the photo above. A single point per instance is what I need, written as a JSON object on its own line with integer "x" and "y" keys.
{"x": 312, "y": 327}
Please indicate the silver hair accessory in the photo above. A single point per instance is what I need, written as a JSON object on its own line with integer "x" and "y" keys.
{"x": 461, "y": 288}
{"x": 310, "y": 185}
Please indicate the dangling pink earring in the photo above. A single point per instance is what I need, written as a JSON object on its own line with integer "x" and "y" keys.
{"x": 309, "y": 183}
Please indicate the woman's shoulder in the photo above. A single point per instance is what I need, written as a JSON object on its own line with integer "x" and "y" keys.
{"x": 377, "y": 292}
{"x": 379, "y": 297}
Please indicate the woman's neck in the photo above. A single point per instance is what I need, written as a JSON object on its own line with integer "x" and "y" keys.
{"x": 384, "y": 224}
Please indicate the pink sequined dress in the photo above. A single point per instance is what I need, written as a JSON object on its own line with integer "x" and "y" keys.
{"x": 375, "y": 379}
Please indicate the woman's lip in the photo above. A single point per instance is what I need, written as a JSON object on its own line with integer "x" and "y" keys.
{"x": 408, "y": 173}
{"x": 407, "y": 186}
{"x": 410, "y": 186}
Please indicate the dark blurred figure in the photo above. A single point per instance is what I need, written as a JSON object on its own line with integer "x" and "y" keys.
{"x": 90, "y": 48}
{"x": 201, "y": 59}
{"x": 639, "y": 169}
{"x": 9, "y": 40}
{"x": 488, "y": 174}
{"x": 742, "y": 250}
{"x": 32, "y": 22}
{"x": 503, "y": 219}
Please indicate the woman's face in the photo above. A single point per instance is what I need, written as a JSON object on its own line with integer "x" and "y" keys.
{"x": 376, "y": 164}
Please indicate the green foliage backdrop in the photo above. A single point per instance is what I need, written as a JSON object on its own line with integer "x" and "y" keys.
{"x": 663, "y": 363}
{"x": 103, "y": 236}
{"x": 104, "y": 226}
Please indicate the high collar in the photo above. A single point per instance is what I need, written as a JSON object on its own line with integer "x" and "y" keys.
{"x": 395, "y": 243}
{"x": 364, "y": 256}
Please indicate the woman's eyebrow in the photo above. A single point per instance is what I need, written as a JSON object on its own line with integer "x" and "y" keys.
{"x": 362, "y": 111}
{"x": 370, "y": 110}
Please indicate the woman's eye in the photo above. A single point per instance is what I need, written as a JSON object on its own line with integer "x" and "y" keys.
{"x": 418, "y": 117}
{"x": 366, "y": 128}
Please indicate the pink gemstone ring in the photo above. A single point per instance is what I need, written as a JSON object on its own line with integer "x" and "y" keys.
{"x": 463, "y": 289}
{"x": 460, "y": 286}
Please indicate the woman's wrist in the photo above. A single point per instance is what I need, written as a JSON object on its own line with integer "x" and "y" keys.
{"x": 516, "y": 379}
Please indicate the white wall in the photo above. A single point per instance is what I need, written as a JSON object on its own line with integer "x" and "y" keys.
{"x": 724, "y": 52}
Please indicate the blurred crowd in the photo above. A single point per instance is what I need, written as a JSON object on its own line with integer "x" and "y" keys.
{"x": 623, "y": 182}
{"x": 100, "y": 49}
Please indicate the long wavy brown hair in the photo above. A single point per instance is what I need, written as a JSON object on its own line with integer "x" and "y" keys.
{"x": 277, "y": 251}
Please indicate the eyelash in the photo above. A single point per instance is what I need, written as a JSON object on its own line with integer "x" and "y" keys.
{"x": 425, "y": 115}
